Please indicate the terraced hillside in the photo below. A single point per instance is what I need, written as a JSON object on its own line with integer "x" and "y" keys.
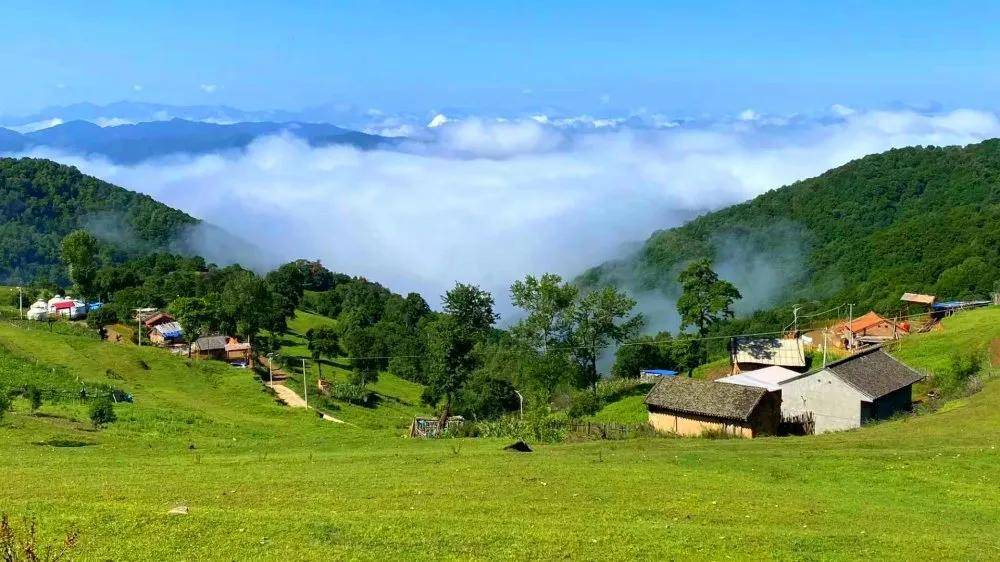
{"x": 262, "y": 481}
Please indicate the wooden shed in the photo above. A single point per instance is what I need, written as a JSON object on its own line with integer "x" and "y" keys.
{"x": 685, "y": 406}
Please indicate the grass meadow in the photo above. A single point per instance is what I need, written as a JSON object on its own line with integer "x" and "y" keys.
{"x": 262, "y": 481}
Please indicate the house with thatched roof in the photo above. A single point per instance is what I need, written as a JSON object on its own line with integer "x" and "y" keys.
{"x": 686, "y": 406}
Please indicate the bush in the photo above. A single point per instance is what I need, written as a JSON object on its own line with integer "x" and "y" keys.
{"x": 962, "y": 369}
{"x": 585, "y": 403}
{"x": 34, "y": 396}
{"x": 551, "y": 428}
{"x": 5, "y": 404}
{"x": 101, "y": 317}
{"x": 102, "y": 412}
{"x": 486, "y": 398}
{"x": 352, "y": 393}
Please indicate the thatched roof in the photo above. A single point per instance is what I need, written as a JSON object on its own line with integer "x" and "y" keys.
{"x": 874, "y": 372}
{"x": 705, "y": 398}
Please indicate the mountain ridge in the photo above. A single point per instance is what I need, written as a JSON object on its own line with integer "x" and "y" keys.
{"x": 910, "y": 219}
{"x": 133, "y": 143}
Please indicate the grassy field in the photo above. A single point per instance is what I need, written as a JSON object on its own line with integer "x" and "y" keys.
{"x": 398, "y": 400}
{"x": 265, "y": 482}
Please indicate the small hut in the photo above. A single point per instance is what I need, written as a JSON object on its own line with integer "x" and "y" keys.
{"x": 685, "y": 406}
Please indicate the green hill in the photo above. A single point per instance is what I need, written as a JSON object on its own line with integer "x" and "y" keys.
{"x": 921, "y": 219}
{"x": 262, "y": 481}
{"x": 42, "y": 201}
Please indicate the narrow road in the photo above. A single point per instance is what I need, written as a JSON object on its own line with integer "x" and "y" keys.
{"x": 289, "y": 396}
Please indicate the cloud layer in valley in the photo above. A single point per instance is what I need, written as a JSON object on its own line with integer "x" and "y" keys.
{"x": 488, "y": 200}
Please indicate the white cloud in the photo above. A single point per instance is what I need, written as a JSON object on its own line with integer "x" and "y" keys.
{"x": 136, "y": 87}
{"x": 437, "y": 121}
{"x": 37, "y": 125}
{"x": 208, "y": 88}
{"x": 487, "y": 202}
{"x": 112, "y": 121}
{"x": 749, "y": 115}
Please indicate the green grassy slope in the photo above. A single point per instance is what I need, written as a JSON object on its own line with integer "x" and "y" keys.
{"x": 266, "y": 482}
{"x": 399, "y": 399}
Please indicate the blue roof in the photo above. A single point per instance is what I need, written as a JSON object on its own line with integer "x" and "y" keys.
{"x": 659, "y": 372}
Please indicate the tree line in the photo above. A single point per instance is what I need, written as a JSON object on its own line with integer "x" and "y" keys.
{"x": 548, "y": 359}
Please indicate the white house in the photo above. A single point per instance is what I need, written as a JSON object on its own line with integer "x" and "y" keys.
{"x": 870, "y": 385}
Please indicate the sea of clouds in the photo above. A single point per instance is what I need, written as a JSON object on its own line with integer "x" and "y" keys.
{"x": 487, "y": 200}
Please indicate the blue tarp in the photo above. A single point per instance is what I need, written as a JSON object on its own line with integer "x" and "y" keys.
{"x": 952, "y": 305}
{"x": 659, "y": 372}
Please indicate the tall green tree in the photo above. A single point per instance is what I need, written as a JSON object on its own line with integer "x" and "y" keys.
{"x": 548, "y": 302}
{"x": 600, "y": 319}
{"x": 79, "y": 252}
{"x": 323, "y": 342}
{"x": 245, "y": 304}
{"x": 451, "y": 342}
{"x": 705, "y": 301}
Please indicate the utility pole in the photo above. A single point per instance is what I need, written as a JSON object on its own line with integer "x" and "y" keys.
{"x": 850, "y": 320}
{"x": 270, "y": 371}
{"x": 20, "y": 303}
{"x": 520, "y": 404}
{"x": 824, "y": 347}
{"x": 795, "y": 321}
{"x": 305, "y": 384}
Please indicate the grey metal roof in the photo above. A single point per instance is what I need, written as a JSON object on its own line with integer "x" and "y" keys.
{"x": 706, "y": 398}
{"x": 874, "y": 372}
{"x": 210, "y": 343}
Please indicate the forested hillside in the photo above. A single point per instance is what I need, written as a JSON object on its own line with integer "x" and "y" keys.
{"x": 914, "y": 219}
{"x": 42, "y": 201}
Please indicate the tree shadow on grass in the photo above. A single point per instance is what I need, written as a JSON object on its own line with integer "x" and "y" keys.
{"x": 64, "y": 443}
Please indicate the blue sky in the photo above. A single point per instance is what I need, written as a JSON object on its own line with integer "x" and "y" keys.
{"x": 677, "y": 57}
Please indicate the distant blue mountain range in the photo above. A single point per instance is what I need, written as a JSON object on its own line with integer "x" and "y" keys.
{"x": 128, "y": 144}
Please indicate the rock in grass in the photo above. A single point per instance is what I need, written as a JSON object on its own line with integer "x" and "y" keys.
{"x": 518, "y": 447}
{"x": 179, "y": 510}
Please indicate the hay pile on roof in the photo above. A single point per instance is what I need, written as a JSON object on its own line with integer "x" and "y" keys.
{"x": 784, "y": 352}
{"x": 705, "y": 398}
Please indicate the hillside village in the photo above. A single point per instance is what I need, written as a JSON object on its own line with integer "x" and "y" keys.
{"x": 187, "y": 399}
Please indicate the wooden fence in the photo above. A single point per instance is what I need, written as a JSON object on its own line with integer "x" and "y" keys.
{"x": 594, "y": 430}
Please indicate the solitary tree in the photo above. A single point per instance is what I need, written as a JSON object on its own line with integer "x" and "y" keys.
{"x": 600, "y": 319}
{"x": 322, "y": 342}
{"x": 79, "y": 253}
{"x": 705, "y": 301}
{"x": 451, "y": 340}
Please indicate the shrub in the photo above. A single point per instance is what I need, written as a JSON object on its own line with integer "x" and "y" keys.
{"x": 101, "y": 317}
{"x": 585, "y": 403}
{"x": 14, "y": 548}
{"x": 551, "y": 428}
{"x": 352, "y": 393}
{"x": 5, "y": 404}
{"x": 102, "y": 412}
{"x": 34, "y": 396}
{"x": 485, "y": 398}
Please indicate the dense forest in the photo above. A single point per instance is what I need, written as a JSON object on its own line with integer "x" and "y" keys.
{"x": 42, "y": 201}
{"x": 923, "y": 219}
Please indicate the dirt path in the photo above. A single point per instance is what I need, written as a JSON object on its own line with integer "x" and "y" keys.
{"x": 289, "y": 396}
